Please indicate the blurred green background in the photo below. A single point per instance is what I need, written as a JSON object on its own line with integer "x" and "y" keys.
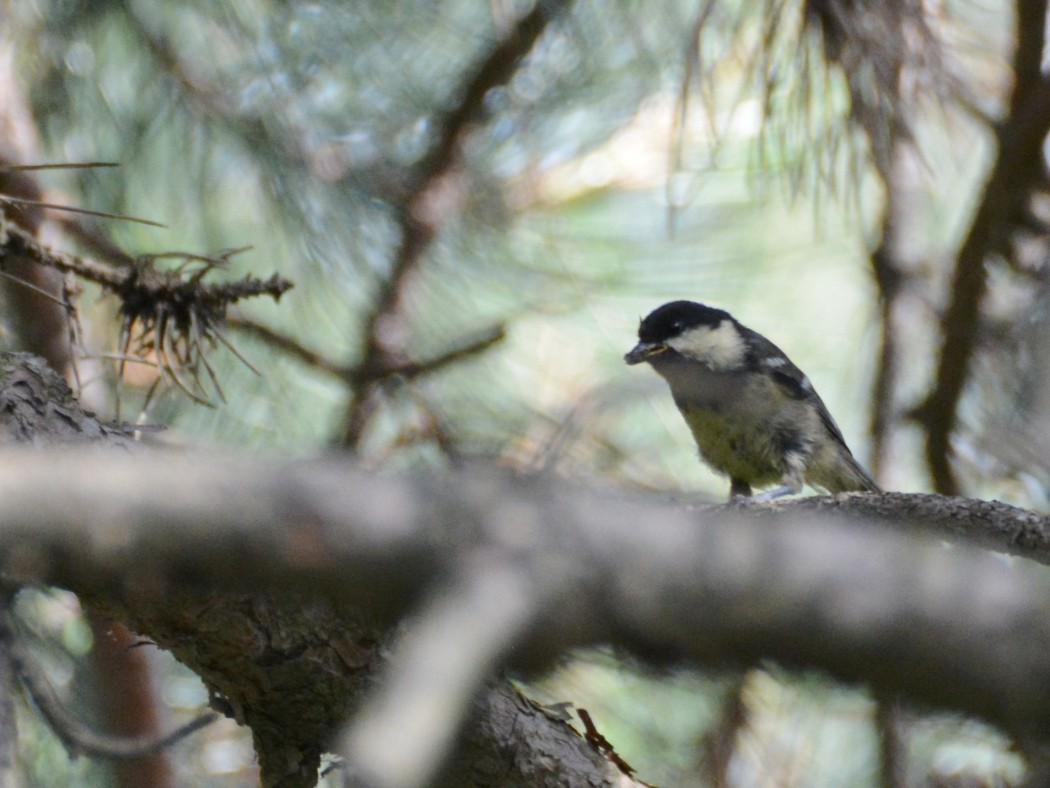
{"x": 599, "y": 184}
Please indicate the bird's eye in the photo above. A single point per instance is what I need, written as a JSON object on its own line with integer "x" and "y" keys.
{"x": 677, "y": 326}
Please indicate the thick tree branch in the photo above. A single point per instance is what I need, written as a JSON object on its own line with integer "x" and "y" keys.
{"x": 957, "y": 629}
{"x": 515, "y": 743}
{"x": 990, "y": 524}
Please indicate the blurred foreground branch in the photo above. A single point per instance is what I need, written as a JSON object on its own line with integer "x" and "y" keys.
{"x": 517, "y": 570}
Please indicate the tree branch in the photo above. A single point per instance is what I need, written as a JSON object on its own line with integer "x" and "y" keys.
{"x": 990, "y": 524}
{"x": 956, "y": 629}
{"x": 77, "y": 737}
{"x": 353, "y": 374}
{"x": 1018, "y": 166}
{"x": 417, "y": 228}
{"x": 142, "y": 284}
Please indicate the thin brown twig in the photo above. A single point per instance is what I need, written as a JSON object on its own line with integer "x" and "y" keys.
{"x": 77, "y": 737}
{"x": 38, "y": 290}
{"x": 7, "y": 198}
{"x": 602, "y": 745}
{"x": 494, "y": 69}
{"x": 13, "y": 239}
{"x": 286, "y": 344}
{"x": 353, "y": 374}
{"x": 719, "y": 743}
{"x": 414, "y": 369}
{"x": 893, "y": 746}
{"x": 80, "y": 165}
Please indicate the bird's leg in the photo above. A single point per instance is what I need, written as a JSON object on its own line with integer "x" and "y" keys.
{"x": 771, "y": 495}
{"x": 790, "y": 484}
{"x": 739, "y": 489}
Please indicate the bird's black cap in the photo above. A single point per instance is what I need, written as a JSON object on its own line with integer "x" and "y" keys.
{"x": 672, "y": 319}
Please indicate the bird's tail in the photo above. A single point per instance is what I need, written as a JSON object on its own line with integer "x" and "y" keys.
{"x": 859, "y": 479}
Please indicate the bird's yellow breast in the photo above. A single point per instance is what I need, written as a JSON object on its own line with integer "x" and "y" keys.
{"x": 733, "y": 446}
{"x": 749, "y": 436}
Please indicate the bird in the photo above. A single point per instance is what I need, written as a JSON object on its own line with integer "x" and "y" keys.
{"x": 755, "y": 416}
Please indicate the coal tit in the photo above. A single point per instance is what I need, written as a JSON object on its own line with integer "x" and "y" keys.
{"x": 755, "y": 416}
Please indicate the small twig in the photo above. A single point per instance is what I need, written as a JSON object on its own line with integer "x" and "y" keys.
{"x": 414, "y": 369}
{"x": 354, "y": 374}
{"x": 15, "y": 240}
{"x": 719, "y": 743}
{"x": 417, "y": 231}
{"x": 602, "y": 745}
{"x": 893, "y": 747}
{"x": 369, "y": 381}
{"x": 82, "y": 165}
{"x": 219, "y": 258}
{"x": 38, "y": 290}
{"x": 6, "y": 198}
{"x": 150, "y": 394}
{"x": 77, "y": 737}
{"x": 141, "y": 283}
{"x": 288, "y": 345}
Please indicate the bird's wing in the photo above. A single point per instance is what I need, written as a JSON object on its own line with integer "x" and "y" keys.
{"x": 792, "y": 380}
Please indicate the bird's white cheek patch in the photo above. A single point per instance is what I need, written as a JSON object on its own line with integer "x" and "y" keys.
{"x": 720, "y": 347}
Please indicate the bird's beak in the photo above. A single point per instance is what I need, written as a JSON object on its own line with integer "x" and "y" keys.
{"x": 644, "y": 351}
